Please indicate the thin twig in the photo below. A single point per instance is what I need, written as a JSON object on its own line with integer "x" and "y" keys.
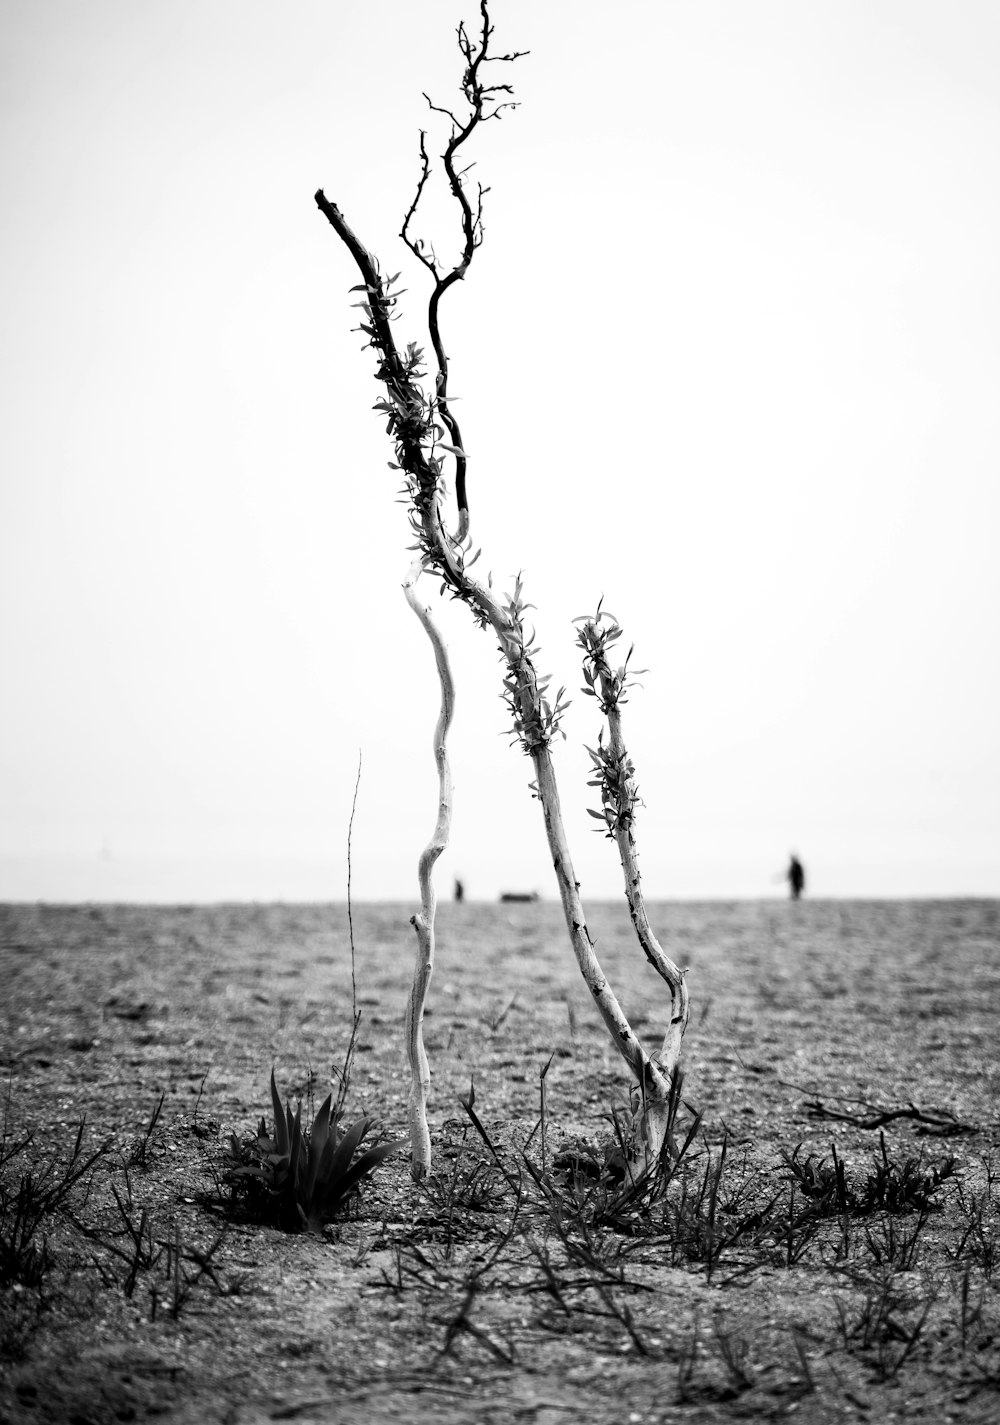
{"x": 483, "y": 105}
{"x": 940, "y": 1122}
{"x": 350, "y": 916}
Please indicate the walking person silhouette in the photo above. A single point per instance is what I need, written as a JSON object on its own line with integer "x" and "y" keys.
{"x": 796, "y": 877}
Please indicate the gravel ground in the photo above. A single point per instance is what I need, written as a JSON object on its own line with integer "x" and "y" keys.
{"x": 808, "y": 1020}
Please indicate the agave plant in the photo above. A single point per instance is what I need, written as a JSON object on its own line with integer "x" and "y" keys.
{"x": 308, "y": 1176}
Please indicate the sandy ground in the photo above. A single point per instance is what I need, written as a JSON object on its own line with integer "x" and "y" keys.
{"x": 851, "y": 1004}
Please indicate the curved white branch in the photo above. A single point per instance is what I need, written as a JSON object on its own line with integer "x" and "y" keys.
{"x": 423, "y": 922}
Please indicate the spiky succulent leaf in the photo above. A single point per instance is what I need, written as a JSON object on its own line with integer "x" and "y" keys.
{"x": 319, "y": 1138}
{"x": 332, "y": 1191}
{"x": 368, "y": 1161}
{"x": 323, "y": 1177}
{"x": 281, "y": 1134}
{"x": 298, "y": 1152}
{"x": 344, "y": 1151}
{"x": 308, "y": 1174}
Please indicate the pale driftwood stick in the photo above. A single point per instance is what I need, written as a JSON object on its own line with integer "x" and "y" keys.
{"x": 620, "y": 799}
{"x": 423, "y": 922}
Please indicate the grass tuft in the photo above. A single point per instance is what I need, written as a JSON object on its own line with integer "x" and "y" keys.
{"x": 299, "y": 1179}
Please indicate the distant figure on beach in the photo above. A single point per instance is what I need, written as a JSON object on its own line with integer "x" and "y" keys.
{"x": 796, "y": 877}
{"x": 459, "y": 890}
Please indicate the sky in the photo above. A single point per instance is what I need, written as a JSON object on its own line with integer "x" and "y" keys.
{"x": 728, "y": 358}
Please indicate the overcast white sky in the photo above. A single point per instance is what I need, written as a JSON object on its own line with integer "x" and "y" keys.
{"x": 730, "y": 357}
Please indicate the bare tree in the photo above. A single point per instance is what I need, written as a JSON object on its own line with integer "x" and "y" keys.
{"x": 427, "y": 441}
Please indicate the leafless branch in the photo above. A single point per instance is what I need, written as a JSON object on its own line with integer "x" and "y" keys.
{"x": 483, "y": 104}
{"x": 937, "y": 1122}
